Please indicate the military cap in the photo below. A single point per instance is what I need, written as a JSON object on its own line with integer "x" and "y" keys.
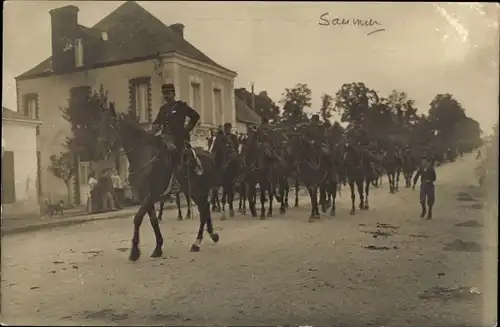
{"x": 168, "y": 87}
{"x": 315, "y": 117}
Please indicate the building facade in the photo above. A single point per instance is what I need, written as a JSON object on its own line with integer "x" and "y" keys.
{"x": 19, "y": 164}
{"x": 122, "y": 54}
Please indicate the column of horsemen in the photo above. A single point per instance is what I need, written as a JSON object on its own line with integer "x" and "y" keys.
{"x": 318, "y": 155}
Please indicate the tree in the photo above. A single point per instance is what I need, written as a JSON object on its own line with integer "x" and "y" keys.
{"x": 403, "y": 108}
{"x": 327, "y": 107}
{"x": 467, "y": 133}
{"x": 85, "y": 112}
{"x": 353, "y": 101}
{"x": 445, "y": 111}
{"x": 264, "y": 105}
{"x": 64, "y": 167}
{"x": 294, "y": 101}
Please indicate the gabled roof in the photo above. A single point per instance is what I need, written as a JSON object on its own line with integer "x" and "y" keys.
{"x": 8, "y": 114}
{"x": 244, "y": 114}
{"x": 133, "y": 34}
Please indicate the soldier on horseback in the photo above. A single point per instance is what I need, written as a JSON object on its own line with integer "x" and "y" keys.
{"x": 171, "y": 120}
{"x": 316, "y": 134}
{"x": 232, "y": 138}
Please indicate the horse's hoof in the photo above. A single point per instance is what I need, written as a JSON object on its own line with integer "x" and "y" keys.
{"x": 286, "y": 205}
{"x": 135, "y": 254}
{"x": 269, "y": 214}
{"x": 317, "y": 216}
{"x": 282, "y": 210}
{"x": 179, "y": 217}
{"x": 367, "y": 207}
{"x": 311, "y": 219}
{"x": 296, "y": 205}
{"x": 231, "y": 213}
{"x": 214, "y": 237}
{"x": 352, "y": 212}
{"x": 195, "y": 248}
{"x": 244, "y": 212}
{"x": 240, "y": 210}
{"x": 157, "y": 253}
{"x": 262, "y": 217}
{"x": 188, "y": 217}
{"x": 213, "y": 209}
{"x": 332, "y": 214}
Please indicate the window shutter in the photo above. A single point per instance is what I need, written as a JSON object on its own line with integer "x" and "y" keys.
{"x": 150, "y": 105}
{"x": 131, "y": 97}
{"x": 37, "y": 114}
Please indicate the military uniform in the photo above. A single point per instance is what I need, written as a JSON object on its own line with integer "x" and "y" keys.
{"x": 170, "y": 120}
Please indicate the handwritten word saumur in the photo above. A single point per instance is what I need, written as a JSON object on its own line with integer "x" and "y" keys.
{"x": 327, "y": 20}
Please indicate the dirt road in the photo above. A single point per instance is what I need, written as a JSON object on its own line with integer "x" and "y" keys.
{"x": 382, "y": 267}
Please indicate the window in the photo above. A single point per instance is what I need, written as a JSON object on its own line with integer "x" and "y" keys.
{"x": 78, "y": 53}
{"x": 218, "y": 108}
{"x": 140, "y": 90}
{"x": 30, "y": 106}
{"x": 196, "y": 96}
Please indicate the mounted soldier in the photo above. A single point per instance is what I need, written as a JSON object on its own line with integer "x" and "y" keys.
{"x": 316, "y": 135}
{"x": 232, "y": 138}
{"x": 175, "y": 134}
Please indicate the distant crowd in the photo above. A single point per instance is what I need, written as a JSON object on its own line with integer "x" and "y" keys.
{"x": 106, "y": 191}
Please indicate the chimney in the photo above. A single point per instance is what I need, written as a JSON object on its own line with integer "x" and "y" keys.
{"x": 64, "y": 23}
{"x": 178, "y": 29}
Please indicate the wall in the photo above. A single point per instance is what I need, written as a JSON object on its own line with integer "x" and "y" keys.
{"x": 53, "y": 93}
{"x": 20, "y": 138}
{"x": 241, "y": 127}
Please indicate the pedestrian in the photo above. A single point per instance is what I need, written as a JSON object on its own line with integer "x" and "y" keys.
{"x": 118, "y": 195}
{"x": 427, "y": 176}
{"x": 91, "y": 184}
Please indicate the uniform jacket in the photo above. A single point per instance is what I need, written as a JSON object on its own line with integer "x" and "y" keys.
{"x": 173, "y": 117}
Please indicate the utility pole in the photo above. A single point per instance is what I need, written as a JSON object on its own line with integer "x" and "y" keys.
{"x": 253, "y": 96}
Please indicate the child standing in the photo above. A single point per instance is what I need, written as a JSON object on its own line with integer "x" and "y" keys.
{"x": 427, "y": 191}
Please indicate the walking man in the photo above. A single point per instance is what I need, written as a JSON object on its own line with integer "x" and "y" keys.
{"x": 427, "y": 192}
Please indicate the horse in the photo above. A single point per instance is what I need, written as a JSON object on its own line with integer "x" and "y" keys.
{"x": 257, "y": 161}
{"x": 228, "y": 159}
{"x": 390, "y": 163}
{"x": 354, "y": 167}
{"x": 150, "y": 174}
{"x": 312, "y": 167}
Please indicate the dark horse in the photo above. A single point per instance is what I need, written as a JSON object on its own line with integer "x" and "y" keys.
{"x": 258, "y": 167}
{"x": 358, "y": 171}
{"x": 313, "y": 168}
{"x": 150, "y": 174}
{"x": 228, "y": 159}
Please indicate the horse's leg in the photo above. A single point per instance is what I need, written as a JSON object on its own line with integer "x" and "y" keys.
{"x": 146, "y": 204}
{"x": 398, "y": 172}
{"x": 353, "y": 197}
{"x": 296, "y": 192}
{"x": 270, "y": 190}
{"x": 359, "y": 186}
{"x": 157, "y": 252}
{"x": 262, "y": 201}
{"x": 367, "y": 192}
{"x": 283, "y": 195}
{"x": 230, "y": 199}
{"x": 252, "y": 195}
{"x": 334, "y": 197}
{"x": 313, "y": 194}
{"x": 205, "y": 219}
{"x": 213, "y": 196}
{"x": 160, "y": 211}
{"x": 322, "y": 198}
{"x": 188, "y": 201}
{"x": 217, "y": 202}
{"x": 178, "y": 204}
{"x": 243, "y": 197}
{"x": 223, "y": 201}
{"x": 240, "y": 201}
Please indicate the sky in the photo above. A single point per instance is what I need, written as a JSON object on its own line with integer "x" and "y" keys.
{"x": 424, "y": 49}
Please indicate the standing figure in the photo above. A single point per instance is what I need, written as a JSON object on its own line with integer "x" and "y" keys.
{"x": 427, "y": 191}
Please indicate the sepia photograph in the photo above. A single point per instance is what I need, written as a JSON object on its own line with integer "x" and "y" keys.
{"x": 239, "y": 163}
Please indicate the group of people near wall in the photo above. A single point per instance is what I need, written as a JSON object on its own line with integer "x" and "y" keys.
{"x": 106, "y": 191}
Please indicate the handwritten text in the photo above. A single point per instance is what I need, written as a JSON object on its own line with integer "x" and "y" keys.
{"x": 327, "y": 20}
